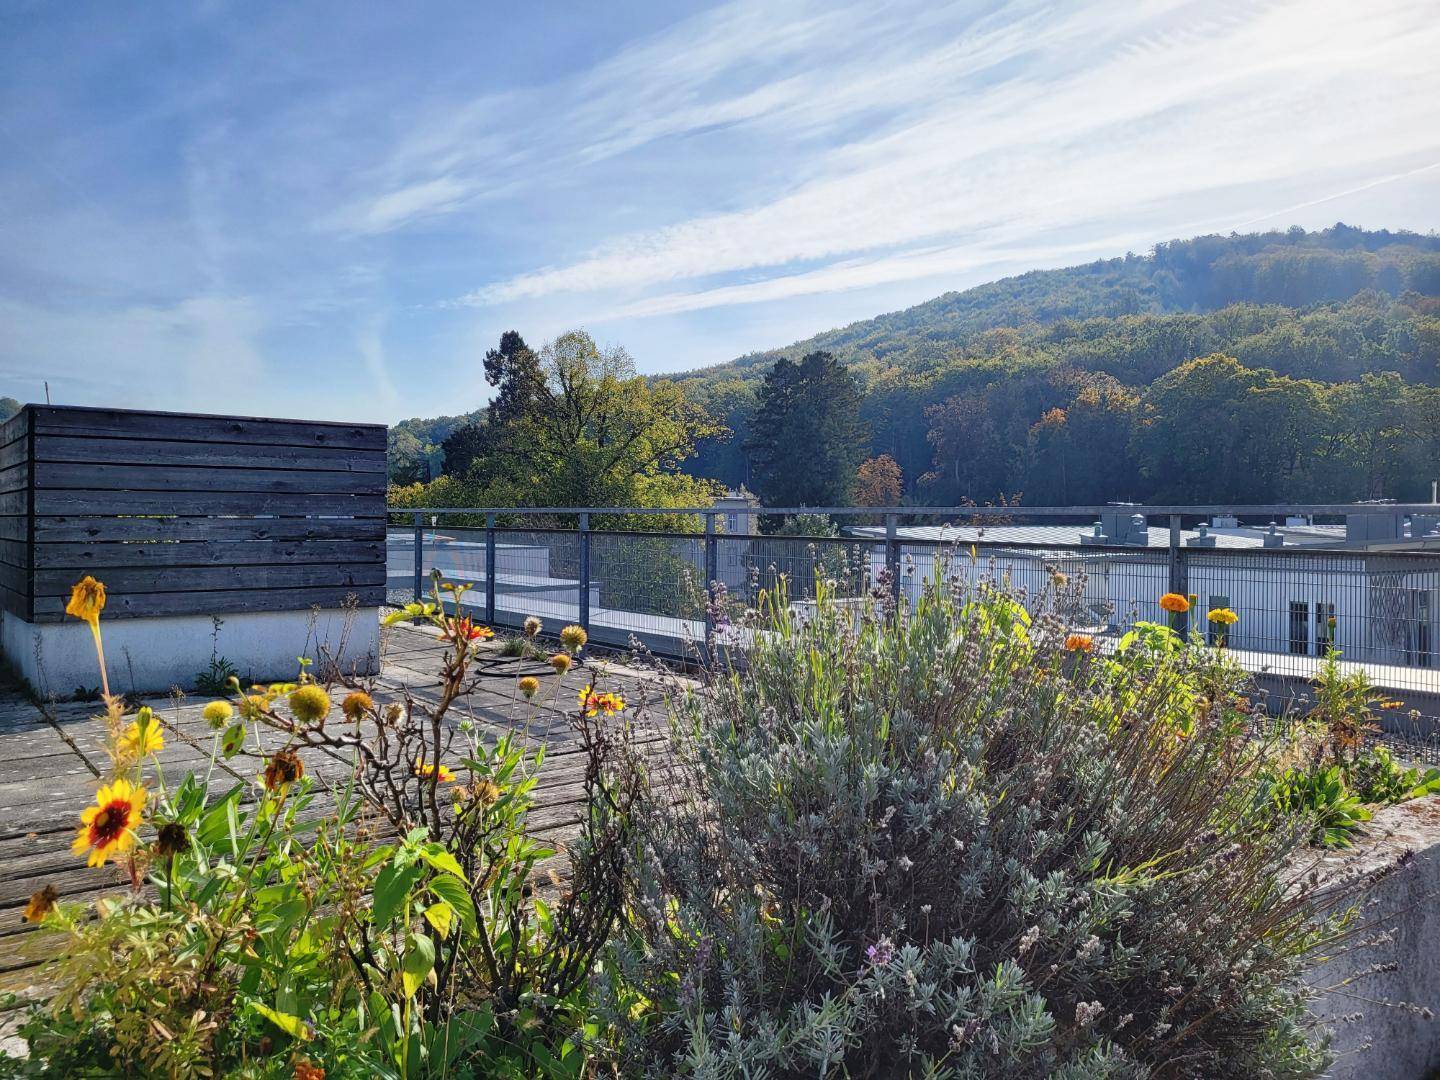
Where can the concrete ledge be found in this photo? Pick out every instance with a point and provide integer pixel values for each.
(1380, 1028)
(154, 654)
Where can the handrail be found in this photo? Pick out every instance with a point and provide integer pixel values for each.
(1165, 510)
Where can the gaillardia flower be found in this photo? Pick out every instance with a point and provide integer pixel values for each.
(574, 637)
(108, 828)
(283, 769)
(425, 770)
(171, 840)
(41, 904)
(532, 626)
(1174, 602)
(560, 662)
(593, 702)
(528, 685)
(87, 600)
(143, 737)
(1079, 643)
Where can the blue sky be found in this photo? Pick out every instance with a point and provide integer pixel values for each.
(331, 210)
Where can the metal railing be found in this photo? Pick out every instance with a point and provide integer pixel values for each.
(669, 590)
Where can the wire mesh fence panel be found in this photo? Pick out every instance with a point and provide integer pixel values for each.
(400, 565)
(648, 589)
(537, 572)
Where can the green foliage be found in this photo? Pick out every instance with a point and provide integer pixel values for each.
(1376, 777)
(940, 844)
(806, 437)
(1321, 797)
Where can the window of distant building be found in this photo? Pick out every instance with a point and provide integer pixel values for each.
(1424, 613)
(1299, 627)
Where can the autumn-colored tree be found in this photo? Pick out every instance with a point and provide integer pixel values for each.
(878, 482)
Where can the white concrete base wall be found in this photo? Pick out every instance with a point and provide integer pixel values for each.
(149, 654)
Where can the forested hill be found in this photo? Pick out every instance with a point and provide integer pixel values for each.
(1077, 385)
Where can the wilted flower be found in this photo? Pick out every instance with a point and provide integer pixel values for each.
(171, 840)
(1079, 643)
(560, 662)
(252, 705)
(310, 703)
(108, 827)
(218, 713)
(87, 600)
(484, 791)
(41, 904)
(356, 705)
(532, 626)
(574, 637)
(1174, 602)
(529, 685)
(283, 769)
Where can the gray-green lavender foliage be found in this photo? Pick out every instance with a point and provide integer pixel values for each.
(938, 843)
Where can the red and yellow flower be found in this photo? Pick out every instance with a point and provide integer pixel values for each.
(107, 829)
(593, 702)
(465, 629)
(426, 770)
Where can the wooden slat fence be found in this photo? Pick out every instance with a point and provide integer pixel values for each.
(189, 514)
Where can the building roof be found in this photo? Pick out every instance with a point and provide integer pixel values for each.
(1052, 535)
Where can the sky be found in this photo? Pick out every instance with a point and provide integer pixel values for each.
(331, 210)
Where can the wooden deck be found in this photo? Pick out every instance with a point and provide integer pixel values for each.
(50, 758)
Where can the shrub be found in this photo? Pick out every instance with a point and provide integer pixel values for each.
(938, 843)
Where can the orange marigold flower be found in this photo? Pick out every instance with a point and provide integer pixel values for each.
(1175, 602)
(1079, 643)
(108, 827)
(41, 904)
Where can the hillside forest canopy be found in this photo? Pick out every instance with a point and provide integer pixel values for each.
(1296, 366)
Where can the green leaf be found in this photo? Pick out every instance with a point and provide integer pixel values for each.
(418, 963)
(441, 916)
(291, 1025)
(392, 887)
(442, 860)
(455, 893)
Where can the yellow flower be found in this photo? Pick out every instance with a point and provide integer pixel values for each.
(560, 662)
(252, 705)
(41, 904)
(310, 703)
(426, 770)
(528, 686)
(108, 827)
(1079, 643)
(1175, 602)
(218, 713)
(356, 705)
(282, 770)
(143, 737)
(574, 638)
(87, 600)
(1223, 615)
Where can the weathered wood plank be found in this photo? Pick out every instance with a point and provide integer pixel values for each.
(60, 448)
(76, 529)
(51, 608)
(14, 552)
(16, 477)
(201, 553)
(15, 453)
(17, 427)
(120, 580)
(71, 503)
(187, 427)
(50, 475)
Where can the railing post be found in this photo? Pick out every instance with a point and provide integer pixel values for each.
(419, 555)
(892, 557)
(489, 568)
(1178, 574)
(585, 572)
(712, 572)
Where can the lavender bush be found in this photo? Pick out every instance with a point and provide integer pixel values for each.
(959, 842)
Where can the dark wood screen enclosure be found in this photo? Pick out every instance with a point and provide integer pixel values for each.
(183, 514)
